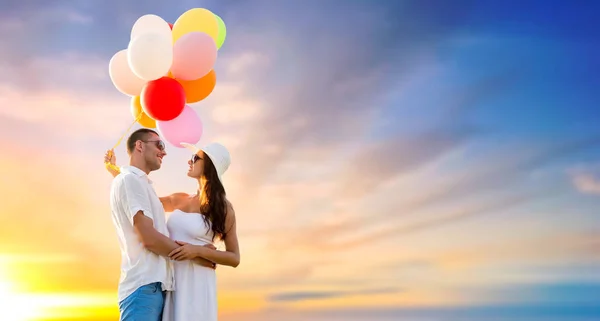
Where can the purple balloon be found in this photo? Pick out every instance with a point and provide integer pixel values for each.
(185, 128)
(194, 56)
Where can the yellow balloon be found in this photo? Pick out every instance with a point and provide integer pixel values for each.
(136, 110)
(196, 20)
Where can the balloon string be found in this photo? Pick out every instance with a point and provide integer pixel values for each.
(115, 167)
(128, 129)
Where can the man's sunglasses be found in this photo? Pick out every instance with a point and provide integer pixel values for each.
(159, 143)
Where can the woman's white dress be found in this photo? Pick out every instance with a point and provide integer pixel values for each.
(195, 295)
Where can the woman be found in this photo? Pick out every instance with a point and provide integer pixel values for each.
(195, 222)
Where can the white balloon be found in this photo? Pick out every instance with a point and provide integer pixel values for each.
(122, 76)
(150, 55)
(150, 24)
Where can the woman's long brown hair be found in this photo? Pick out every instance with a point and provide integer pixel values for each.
(213, 202)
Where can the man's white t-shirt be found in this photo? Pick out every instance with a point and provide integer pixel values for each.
(132, 191)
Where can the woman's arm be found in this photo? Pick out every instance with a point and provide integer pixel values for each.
(231, 255)
(167, 203)
(171, 202)
(110, 161)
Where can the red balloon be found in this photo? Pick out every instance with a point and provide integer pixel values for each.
(163, 99)
(170, 25)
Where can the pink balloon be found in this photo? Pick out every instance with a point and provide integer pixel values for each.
(194, 56)
(185, 128)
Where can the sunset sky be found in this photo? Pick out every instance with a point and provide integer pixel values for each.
(391, 160)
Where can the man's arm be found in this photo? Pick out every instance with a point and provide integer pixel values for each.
(138, 207)
(157, 242)
(204, 262)
(152, 239)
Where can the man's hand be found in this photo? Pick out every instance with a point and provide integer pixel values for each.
(110, 157)
(205, 263)
(110, 161)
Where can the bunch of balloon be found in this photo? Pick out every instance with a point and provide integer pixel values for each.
(167, 66)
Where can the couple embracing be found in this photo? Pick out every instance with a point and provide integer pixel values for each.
(168, 266)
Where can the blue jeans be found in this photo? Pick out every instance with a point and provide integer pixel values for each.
(144, 304)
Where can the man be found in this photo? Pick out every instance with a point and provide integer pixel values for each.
(139, 218)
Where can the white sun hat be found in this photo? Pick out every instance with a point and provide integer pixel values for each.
(217, 153)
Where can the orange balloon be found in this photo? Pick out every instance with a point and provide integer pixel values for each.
(136, 110)
(198, 89)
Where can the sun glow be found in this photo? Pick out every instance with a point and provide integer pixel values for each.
(19, 305)
(16, 306)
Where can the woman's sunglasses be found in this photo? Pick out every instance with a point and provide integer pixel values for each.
(195, 158)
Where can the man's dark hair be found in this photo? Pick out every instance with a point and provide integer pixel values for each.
(140, 134)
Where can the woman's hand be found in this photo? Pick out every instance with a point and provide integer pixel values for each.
(188, 251)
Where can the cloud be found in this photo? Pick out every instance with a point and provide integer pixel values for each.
(566, 294)
(323, 191)
(376, 163)
(63, 113)
(77, 17)
(489, 183)
(296, 120)
(65, 90)
(24, 16)
(26, 28)
(50, 104)
(359, 166)
(586, 179)
(497, 206)
(301, 105)
(587, 184)
(422, 270)
(63, 94)
(303, 296)
(434, 271)
(381, 161)
(65, 70)
(307, 153)
(543, 252)
(556, 311)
